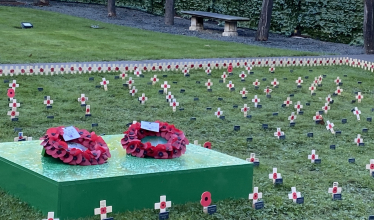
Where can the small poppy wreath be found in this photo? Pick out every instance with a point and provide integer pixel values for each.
(175, 146)
(89, 149)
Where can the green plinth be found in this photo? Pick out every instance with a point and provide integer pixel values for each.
(127, 183)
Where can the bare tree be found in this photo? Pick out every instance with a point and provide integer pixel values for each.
(169, 12)
(369, 27)
(111, 8)
(262, 33)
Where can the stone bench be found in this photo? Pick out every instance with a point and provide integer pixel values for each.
(197, 21)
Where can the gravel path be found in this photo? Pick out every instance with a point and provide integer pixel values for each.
(142, 20)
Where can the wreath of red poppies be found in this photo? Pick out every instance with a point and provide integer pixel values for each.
(91, 148)
(175, 146)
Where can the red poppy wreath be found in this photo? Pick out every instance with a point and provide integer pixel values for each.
(87, 149)
(175, 146)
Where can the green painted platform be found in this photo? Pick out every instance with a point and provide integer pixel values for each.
(127, 183)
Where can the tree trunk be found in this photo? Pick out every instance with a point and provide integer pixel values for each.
(369, 27)
(264, 23)
(169, 12)
(111, 8)
(39, 2)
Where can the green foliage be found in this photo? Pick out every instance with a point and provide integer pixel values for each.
(115, 108)
(328, 20)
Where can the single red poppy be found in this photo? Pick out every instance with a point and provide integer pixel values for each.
(208, 145)
(11, 93)
(294, 195)
(206, 199)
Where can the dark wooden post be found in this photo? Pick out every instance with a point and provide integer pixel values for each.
(369, 27)
(112, 8)
(264, 23)
(169, 12)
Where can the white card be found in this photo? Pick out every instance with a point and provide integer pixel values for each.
(76, 146)
(150, 126)
(70, 133)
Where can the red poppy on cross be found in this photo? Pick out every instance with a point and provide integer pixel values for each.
(133, 91)
(256, 83)
(299, 81)
(275, 175)
(272, 69)
(252, 158)
(298, 107)
(154, 79)
(169, 96)
(278, 133)
(208, 71)
(137, 72)
(337, 81)
(123, 75)
(13, 85)
(48, 102)
(174, 104)
(370, 166)
(313, 156)
(255, 100)
(242, 75)
(255, 195)
(13, 113)
(317, 117)
(245, 109)
(230, 85)
(330, 126)
(335, 189)
(338, 91)
(163, 204)
(165, 86)
(294, 194)
(249, 68)
(14, 104)
(326, 107)
(243, 92)
(359, 140)
(130, 82)
(83, 99)
(88, 110)
(224, 76)
(267, 90)
(288, 101)
(359, 97)
(142, 99)
(103, 210)
(328, 98)
(292, 117)
(208, 84)
(275, 82)
(105, 84)
(51, 216)
(357, 113)
(312, 88)
(218, 113)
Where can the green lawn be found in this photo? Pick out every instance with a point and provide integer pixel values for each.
(115, 108)
(61, 38)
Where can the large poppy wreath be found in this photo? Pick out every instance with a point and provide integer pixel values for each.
(175, 146)
(89, 149)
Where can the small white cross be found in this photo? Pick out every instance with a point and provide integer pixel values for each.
(142, 99)
(317, 117)
(256, 83)
(357, 113)
(48, 102)
(88, 110)
(224, 76)
(163, 204)
(83, 99)
(242, 75)
(252, 158)
(359, 140)
(138, 72)
(315, 81)
(288, 101)
(130, 82)
(370, 166)
(330, 126)
(249, 68)
(292, 117)
(275, 175)
(359, 97)
(13, 113)
(133, 91)
(165, 86)
(255, 195)
(51, 216)
(245, 109)
(320, 79)
(313, 156)
(328, 98)
(185, 71)
(338, 90)
(299, 81)
(14, 85)
(208, 84)
(272, 69)
(298, 107)
(335, 189)
(105, 84)
(294, 194)
(174, 104)
(274, 82)
(218, 113)
(208, 71)
(14, 104)
(196, 142)
(255, 100)
(326, 107)
(230, 85)
(154, 79)
(169, 96)
(243, 92)
(337, 81)
(278, 133)
(267, 90)
(103, 210)
(312, 88)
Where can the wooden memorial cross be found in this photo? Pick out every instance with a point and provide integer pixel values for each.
(130, 82)
(326, 107)
(288, 101)
(224, 76)
(185, 71)
(245, 109)
(218, 113)
(255, 195)
(208, 71)
(275, 175)
(272, 69)
(315, 81)
(330, 126)
(208, 84)
(313, 156)
(278, 133)
(299, 81)
(142, 99)
(338, 91)
(88, 110)
(298, 107)
(252, 158)
(294, 194)
(169, 96)
(359, 140)
(14, 104)
(51, 216)
(256, 83)
(242, 76)
(267, 90)
(337, 81)
(163, 204)
(13, 113)
(312, 88)
(138, 72)
(275, 82)
(357, 113)
(48, 102)
(154, 79)
(133, 91)
(359, 97)
(249, 68)
(370, 166)
(105, 84)
(83, 99)
(230, 85)
(255, 100)
(292, 117)
(335, 189)
(328, 98)
(165, 86)
(103, 210)
(174, 104)
(13, 85)
(243, 92)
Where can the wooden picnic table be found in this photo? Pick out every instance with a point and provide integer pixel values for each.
(197, 21)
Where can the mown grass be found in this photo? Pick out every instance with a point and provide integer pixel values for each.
(61, 38)
(113, 109)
